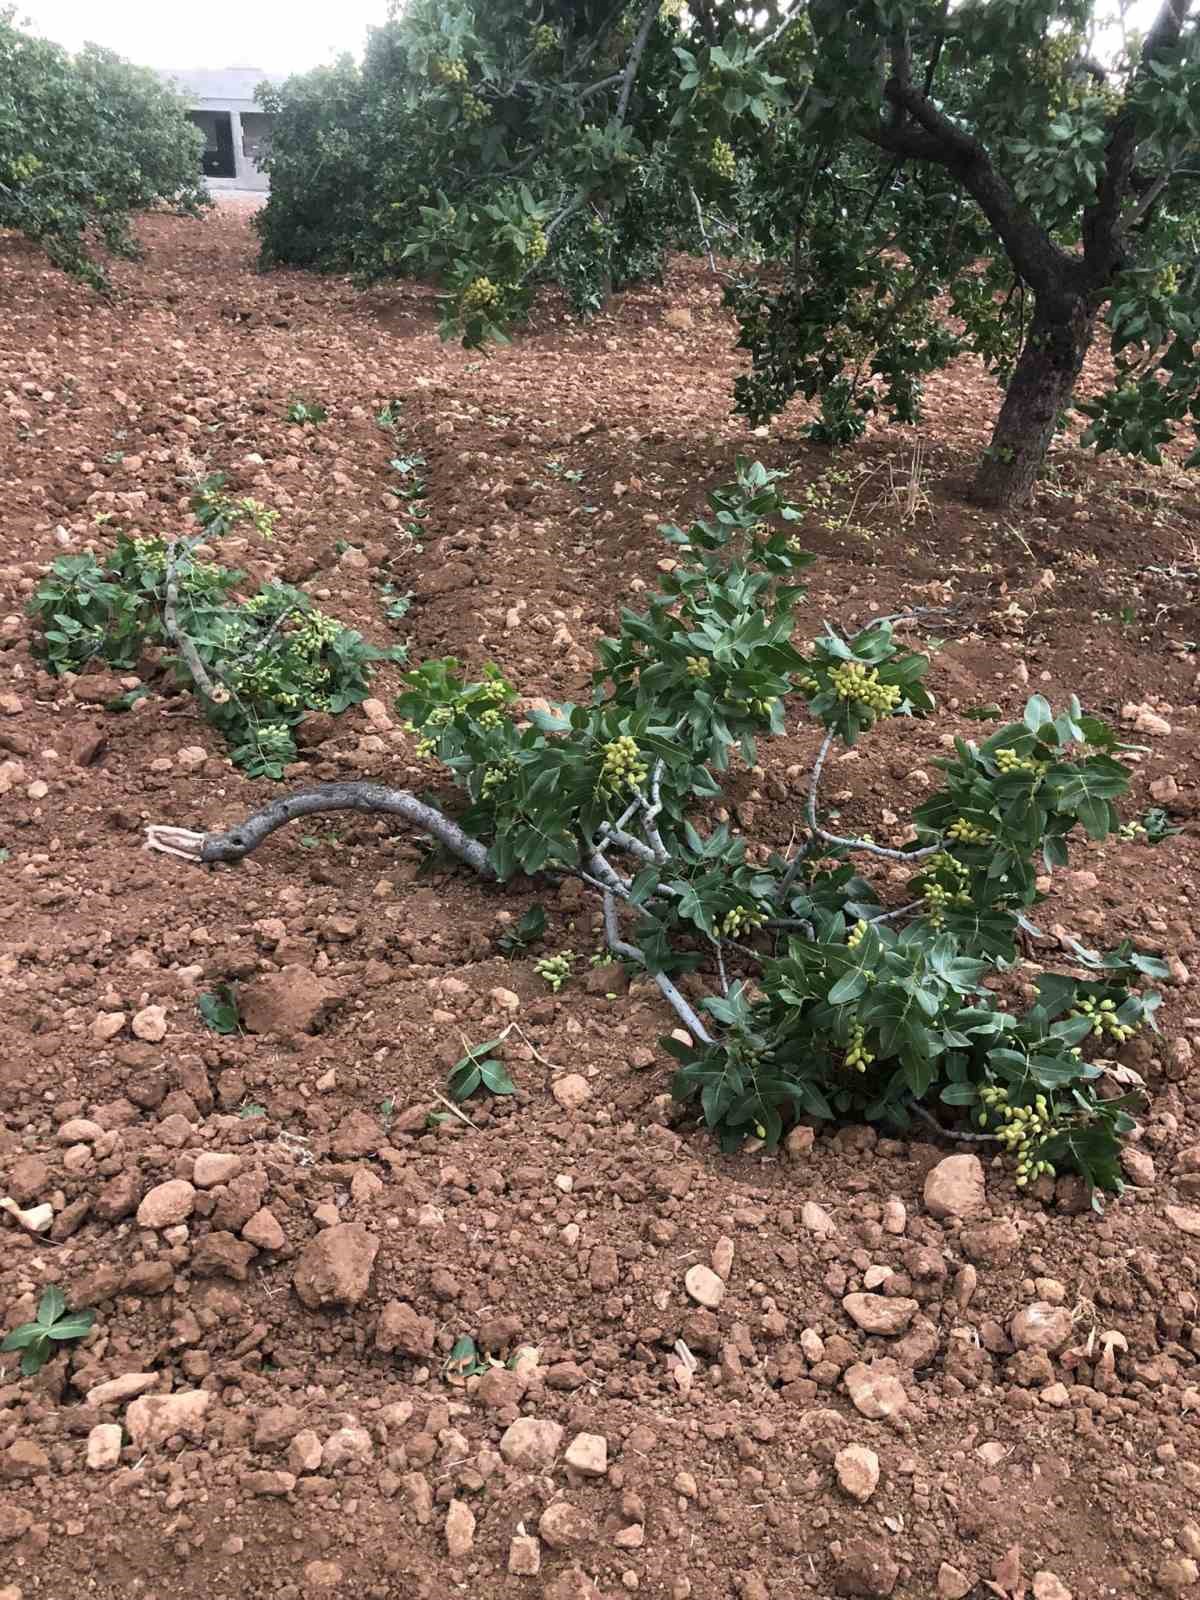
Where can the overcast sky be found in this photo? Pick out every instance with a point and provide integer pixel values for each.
(276, 35)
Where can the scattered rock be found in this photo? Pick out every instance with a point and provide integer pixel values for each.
(154, 1418)
(531, 1443)
(24, 1458)
(990, 1244)
(524, 1556)
(564, 1525)
(150, 1024)
(1048, 1587)
(881, 1314)
(209, 1169)
(865, 1567)
(876, 1389)
(952, 1583)
(1041, 1326)
(1178, 1574)
(587, 1453)
(118, 1390)
(572, 1091)
(264, 1231)
(400, 1328)
(289, 1002)
(335, 1267)
(817, 1220)
(167, 1204)
(304, 1452)
(223, 1255)
(857, 1471)
(1185, 1218)
(460, 1529)
(704, 1286)
(104, 1447)
(347, 1449)
(955, 1188)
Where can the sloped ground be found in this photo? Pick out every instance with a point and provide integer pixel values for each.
(299, 1448)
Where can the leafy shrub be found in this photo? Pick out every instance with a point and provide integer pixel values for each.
(86, 141)
(841, 1006)
(271, 657)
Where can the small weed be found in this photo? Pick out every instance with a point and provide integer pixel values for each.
(527, 930)
(249, 1109)
(555, 969)
(389, 416)
(1153, 828)
(219, 1010)
(396, 605)
(387, 1111)
(54, 1325)
(306, 412)
(480, 1068)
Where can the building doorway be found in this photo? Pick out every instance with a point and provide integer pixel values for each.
(217, 160)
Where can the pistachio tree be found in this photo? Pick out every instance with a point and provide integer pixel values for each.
(1012, 178)
(86, 142)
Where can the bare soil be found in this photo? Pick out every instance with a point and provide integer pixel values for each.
(292, 1443)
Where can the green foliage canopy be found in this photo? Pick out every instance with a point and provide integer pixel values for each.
(902, 181)
(86, 142)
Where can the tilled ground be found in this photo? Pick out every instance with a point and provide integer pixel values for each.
(282, 1249)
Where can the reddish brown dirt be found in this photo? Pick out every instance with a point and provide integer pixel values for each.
(569, 1230)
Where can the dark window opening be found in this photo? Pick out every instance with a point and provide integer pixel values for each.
(217, 127)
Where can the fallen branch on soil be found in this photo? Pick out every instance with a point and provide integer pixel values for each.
(216, 692)
(238, 842)
(825, 1003)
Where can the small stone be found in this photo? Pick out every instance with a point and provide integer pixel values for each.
(1185, 1218)
(817, 1220)
(798, 1142)
(587, 1453)
(990, 1244)
(222, 1255)
(276, 1427)
(104, 1447)
(263, 1231)
(524, 1556)
(209, 1169)
(857, 1471)
(531, 1443)
(1177, 1574)
(881, 1314)
(460, 1530)
(952, 1583)
(505, 999)
(108, 1025)
(346, 1449)
(1041, 1326)
(1138, 1167)
(118, 1390)
(150, 1024)
(167, 1204)
(564, 1525)
(1046, 1586)
(322, 1577)
(876, 1389)
(155, 1418)
(631, 1538)
(865, 1567)
(400, 1328)
(956, 1188)
(704, 1286)
(571, 1091)
(268, 1482)
(304, 1452)
(722, 1258)
(335, 1267)
(895, 1215)
(15, 1523)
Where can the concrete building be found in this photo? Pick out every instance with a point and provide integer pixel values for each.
(236, 129)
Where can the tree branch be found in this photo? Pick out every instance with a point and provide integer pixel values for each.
(635, 57)
(238, 842)
(216, 692)
(1103, 246)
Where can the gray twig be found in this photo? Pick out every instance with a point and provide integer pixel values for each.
(216, 692)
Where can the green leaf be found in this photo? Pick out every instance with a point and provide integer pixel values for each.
(51, 1306)
(27, 1334)
(219, 1011)
(495, 1076)
(73, 1326)
(34, 1359)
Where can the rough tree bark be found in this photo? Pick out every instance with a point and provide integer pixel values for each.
(1040, 389)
